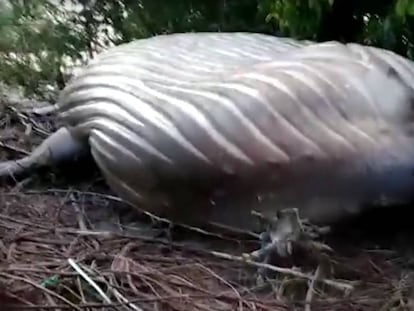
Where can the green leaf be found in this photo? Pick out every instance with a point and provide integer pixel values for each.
(401, 7)
(410, 8)
(50, 282)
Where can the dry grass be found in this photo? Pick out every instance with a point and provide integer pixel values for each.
(50, 259)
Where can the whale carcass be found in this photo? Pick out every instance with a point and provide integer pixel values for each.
(206, 127)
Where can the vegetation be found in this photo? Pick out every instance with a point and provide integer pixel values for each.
(41, 41)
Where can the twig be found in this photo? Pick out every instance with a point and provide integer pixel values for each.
(116, 293)
(42, 111)
(26, 121)
(46, 290)
(14, 149)
(159, 219)
(79, 212)
(89, 280)
(65, 191)
(122, 299)
(244, 259)
(21, 184)
(82, 294)
(336, 284)
(311, 289)
(104, 306)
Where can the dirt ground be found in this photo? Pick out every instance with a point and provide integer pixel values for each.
(67, 243)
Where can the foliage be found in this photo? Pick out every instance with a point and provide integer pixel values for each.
(36, 44)
(42, 40)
